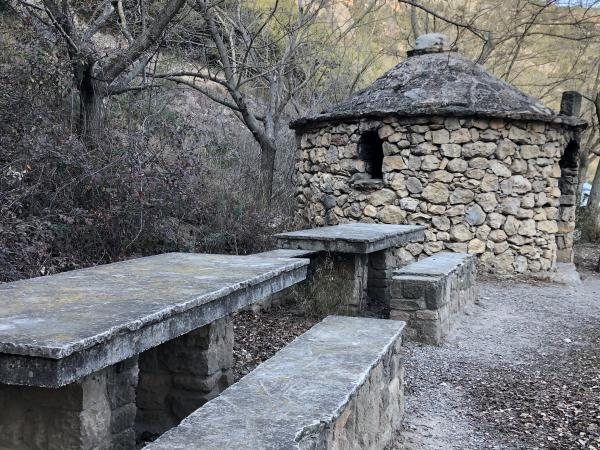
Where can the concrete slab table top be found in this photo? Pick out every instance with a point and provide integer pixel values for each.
(352, 237)
(56, 329)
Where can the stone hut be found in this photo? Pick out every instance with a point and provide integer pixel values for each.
(439, 141)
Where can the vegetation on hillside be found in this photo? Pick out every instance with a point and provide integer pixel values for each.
(131, 128)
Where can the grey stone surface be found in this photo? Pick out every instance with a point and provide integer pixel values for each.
(337, 386)
(430, 295)
(286, 253)
(439, 84)
(57, 329)
(98, 412)
(351, 237)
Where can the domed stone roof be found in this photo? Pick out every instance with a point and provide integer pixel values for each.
(436, 82)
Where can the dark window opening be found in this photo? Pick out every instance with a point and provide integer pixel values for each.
(569, 163)
(371, 151)
(570, 156)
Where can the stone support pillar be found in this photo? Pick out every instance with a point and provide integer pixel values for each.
(179, 376)
(97, 412)
(381, 265)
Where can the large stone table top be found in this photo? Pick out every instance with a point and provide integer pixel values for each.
(58, 328)
(351, 237)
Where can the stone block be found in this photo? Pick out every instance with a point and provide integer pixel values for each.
(430, 294)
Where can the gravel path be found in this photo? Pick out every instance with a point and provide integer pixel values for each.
(521, 371)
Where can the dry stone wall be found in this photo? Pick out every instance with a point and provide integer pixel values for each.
(486, 187)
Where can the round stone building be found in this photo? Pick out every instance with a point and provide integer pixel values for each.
(439, 141)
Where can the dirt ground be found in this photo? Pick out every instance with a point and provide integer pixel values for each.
(520, 371)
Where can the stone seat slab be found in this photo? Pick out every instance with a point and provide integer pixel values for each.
(56, 329)
(359, 238)
(439, 264)
(286, 253)
(341, 381)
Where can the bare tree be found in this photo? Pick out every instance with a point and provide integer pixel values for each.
(99, 72)
(264, 64)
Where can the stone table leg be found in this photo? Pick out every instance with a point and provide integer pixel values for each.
(381, 265)
(340, 281)
(97, 412)
(179, 376)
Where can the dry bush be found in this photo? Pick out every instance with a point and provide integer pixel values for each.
(162, 179)
(322, 294)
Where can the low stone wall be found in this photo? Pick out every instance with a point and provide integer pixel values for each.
(97, 412)
(338, 386)
(429, 295)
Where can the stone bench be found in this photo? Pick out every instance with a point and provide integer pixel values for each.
(430, 294)
(339, 385)
(90, 357)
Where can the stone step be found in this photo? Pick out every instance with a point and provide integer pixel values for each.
(339, 385)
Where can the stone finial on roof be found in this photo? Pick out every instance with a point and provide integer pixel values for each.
(430, 43)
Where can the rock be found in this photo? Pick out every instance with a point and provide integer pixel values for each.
(529, 151)
(413, 185)
(500, 169)
(441, 223)
(511, 226)
(462, 196)
(497, 236)
(391, 163)
(460, 136)
(392, 214)
(451, 150)
(370, 211)
(460, 233)
(430, 162)
(483, 232)
(510, 205)
(479, 163)
(505, 148)
(476, 246)
(436, 193)
(487, 201)
(527, 228)
(518, 166)
(474, 215)
(548, 226)
(414, 163)
(496, 220)
(457, 247)
(519, 135)
(409, 204)
(520, 264)
(490, 183)
(382, 197)
(457, 165)
(500, 247)
(520, 184)
(440, 136)
(441, 175)
(479, 148)
(476, 174)
(385, 131)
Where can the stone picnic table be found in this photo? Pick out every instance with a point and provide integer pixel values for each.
(363, 258)
(74, 345)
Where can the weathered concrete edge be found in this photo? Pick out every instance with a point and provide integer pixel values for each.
(409, 270)
(67, 350)
(342, 245)
(53, 373)
(322, 425)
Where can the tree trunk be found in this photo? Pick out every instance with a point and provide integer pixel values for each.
(267, 169)
(92, 113)
(594, 200)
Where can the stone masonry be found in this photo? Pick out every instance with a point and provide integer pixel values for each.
(429, 295)
(486, 187)
(179, 376)
(96, 413)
